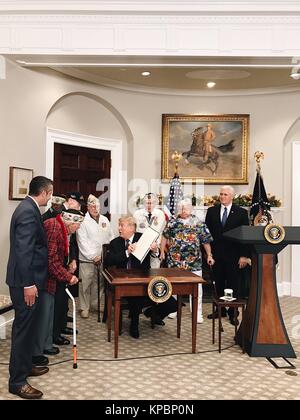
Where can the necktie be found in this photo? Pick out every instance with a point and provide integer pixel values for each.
(127, 243)
(149, 217)
(224, 217)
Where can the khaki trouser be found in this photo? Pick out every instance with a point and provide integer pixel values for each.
(88, 287)
(199, 308)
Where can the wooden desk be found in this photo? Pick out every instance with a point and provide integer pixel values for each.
(134, 282)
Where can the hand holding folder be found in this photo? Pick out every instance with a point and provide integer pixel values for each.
(149, 236)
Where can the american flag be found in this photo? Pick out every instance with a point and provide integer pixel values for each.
(175, 195)
(260, 203)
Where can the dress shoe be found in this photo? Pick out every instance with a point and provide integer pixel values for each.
(40, 360)
(134, 331)
(38, 371)
(158, 321)
(52, 352)
(27, 391)
(215, 314)
(148, 312)
(61, 341)
(234, 321)
(68, 331)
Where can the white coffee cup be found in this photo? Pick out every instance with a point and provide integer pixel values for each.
(228, 293)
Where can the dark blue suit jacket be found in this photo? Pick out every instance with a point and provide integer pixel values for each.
(221, 247)
(116, 254)
(28, 256)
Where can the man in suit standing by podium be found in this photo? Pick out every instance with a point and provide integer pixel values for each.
(229, 256)
(27, 271)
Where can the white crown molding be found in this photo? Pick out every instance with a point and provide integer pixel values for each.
(119, 18)
(144, 6)
(150, 35)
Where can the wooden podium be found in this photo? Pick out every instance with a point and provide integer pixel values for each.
(264, 330)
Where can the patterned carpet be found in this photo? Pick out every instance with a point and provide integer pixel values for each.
(159, 366)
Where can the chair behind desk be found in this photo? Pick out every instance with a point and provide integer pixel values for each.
(105, 248)
(124, 305)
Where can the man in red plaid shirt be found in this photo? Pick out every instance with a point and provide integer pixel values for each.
(58, 231)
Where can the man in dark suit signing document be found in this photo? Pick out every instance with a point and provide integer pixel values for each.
(120, 255)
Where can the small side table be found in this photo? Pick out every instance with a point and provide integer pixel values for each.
(217, 306)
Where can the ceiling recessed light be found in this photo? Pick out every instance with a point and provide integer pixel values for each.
(210, 84)
(146, 73)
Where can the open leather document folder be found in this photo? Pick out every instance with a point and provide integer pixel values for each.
(149, 236)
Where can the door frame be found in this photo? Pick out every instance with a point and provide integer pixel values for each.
(118, 194)
(295, 271)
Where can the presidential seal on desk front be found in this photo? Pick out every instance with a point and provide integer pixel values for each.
(159, 289)
(274, 233)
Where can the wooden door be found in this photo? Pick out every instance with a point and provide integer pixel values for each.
(80, 169)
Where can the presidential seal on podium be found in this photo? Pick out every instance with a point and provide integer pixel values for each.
(274, 233)
(159, 289)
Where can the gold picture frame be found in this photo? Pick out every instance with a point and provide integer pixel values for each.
(19, 180)
(213, 148)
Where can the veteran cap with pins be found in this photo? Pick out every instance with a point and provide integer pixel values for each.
(72, 215)
(92, 200)
(58, 199)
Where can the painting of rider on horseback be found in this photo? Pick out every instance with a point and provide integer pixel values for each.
(213, 148)
(203, 148)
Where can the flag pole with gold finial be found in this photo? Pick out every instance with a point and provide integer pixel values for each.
(176, 158)
(260, 207)
(258, 157)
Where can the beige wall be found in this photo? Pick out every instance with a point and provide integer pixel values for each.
(27, 97)
(96, 120)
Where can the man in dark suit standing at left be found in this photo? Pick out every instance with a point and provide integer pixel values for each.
(26, 274)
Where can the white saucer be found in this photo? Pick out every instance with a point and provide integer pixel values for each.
(228, 299)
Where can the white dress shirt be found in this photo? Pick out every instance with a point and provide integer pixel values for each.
(222, 210)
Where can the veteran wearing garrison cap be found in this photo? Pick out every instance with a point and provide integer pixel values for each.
(73, 201)
(56, 208)
(149, 215)
(58, 230)
(93, 233)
